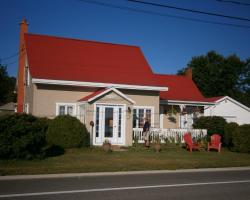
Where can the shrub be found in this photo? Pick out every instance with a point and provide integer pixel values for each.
(241, 139)
(67, 132)
(22, 136)
(213, 124)
(230, 129)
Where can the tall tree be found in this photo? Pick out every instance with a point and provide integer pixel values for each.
(216, 75)
(7, 86)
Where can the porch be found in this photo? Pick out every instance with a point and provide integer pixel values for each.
(173, 135)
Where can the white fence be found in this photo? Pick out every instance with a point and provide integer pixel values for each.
(173, 135)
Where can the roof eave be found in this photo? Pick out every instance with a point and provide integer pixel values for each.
(97, 84)
(178, 102)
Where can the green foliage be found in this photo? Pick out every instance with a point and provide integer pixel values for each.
(7, 86)
(22, 136)
(230, 129)
(241, 139)
(67, 132)
(212, 124)
(216, 75)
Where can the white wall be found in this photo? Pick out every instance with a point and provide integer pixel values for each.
(231, 110)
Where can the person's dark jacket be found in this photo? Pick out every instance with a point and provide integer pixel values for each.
(146, 126)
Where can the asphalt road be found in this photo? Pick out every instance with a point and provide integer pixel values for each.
(188, 185)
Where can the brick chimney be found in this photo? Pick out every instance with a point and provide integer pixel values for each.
(21, 66)
(188, 73)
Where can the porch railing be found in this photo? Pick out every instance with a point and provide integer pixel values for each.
(173, 135)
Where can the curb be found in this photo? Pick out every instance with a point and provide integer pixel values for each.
(94, 174)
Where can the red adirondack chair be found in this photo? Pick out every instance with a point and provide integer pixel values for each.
(189, 143)
(215, 142)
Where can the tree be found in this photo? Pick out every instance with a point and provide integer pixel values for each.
(7, 86)
(216, 75)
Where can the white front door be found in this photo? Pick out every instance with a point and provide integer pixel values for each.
(109, 124)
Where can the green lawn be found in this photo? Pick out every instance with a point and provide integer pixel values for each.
(96, 160)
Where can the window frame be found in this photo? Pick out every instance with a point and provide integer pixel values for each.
(66, 105)
(144, 114)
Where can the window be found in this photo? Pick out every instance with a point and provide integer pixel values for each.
(139, 115)
(27, 76)
(26, 108)
(65, 109)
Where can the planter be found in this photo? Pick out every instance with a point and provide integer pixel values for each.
(157, 147)
(106, 147)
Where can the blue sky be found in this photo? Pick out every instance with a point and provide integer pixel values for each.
(168, 43)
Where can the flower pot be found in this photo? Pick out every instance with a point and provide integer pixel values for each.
(157, 147)
(106, 147)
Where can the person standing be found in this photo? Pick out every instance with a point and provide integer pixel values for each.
(146, 133)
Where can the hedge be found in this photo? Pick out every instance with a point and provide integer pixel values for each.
(241, 139)
(230, 129)
(67, 132)
(22, 136)
(213, 124)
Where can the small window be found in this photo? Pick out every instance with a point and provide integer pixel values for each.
(65, 109)
(26, 108)
(139, 115)
(27, 76)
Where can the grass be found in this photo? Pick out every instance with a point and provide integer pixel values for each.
(136, 158)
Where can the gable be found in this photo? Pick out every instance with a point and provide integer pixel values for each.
(107, 95)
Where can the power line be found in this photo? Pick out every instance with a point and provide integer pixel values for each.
(164, 15)
(234, 2)
(190, 10)
(9, 57)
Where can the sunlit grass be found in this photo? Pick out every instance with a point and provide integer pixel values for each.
(136, 158)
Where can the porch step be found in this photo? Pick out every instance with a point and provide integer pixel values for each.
(119, 148)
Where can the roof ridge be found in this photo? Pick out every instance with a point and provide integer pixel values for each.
(176, 75)
(81, 40)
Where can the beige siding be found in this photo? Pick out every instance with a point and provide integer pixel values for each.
(167, 123)
(146, 98)
(45, 98)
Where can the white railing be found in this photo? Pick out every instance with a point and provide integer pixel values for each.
(173, 135)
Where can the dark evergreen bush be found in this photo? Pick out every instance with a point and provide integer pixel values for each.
(241, 139)
(230, 130)
(213, 124)
(67, 132)
(22, 136)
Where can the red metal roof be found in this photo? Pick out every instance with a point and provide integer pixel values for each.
(99, 91)
(59, 58)
(214, 99)
(180, 88)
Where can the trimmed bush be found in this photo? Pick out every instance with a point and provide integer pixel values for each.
(22, 136)
(213, 124)
(230, 129)
(67, 132)
(241, 139)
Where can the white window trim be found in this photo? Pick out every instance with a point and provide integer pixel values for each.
(65, 104)
(152, 108)
(26, 108)
(26, 72)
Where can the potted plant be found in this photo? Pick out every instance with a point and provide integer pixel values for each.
(157, 143)
(106, 145)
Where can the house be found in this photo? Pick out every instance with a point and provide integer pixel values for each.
(8, 108)
(108, 87)
(228, 108)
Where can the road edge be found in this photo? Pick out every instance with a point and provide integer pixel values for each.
(75, 175)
